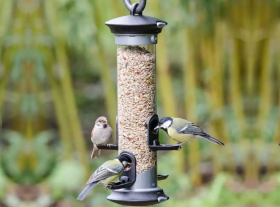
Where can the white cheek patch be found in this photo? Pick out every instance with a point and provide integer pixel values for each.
(166, 124)
(98, 125)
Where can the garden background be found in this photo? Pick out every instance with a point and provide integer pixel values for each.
(217, 65)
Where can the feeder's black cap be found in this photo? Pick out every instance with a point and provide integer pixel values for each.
(136, 24)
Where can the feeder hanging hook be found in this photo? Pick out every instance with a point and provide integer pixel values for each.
(135, 8)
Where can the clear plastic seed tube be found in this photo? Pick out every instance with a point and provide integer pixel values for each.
(136, 101)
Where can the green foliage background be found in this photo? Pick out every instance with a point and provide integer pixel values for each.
(217, 65)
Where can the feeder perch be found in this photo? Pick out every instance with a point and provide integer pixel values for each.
(153, 140)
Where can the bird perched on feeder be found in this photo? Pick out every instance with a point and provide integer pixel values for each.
(101, 134)
(183, 131)
(105, 174)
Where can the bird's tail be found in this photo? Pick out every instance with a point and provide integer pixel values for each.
(86, 191)
(212, 139)
(95, 152)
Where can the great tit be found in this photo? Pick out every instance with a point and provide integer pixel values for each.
(105, 174)
(101, 134)
(183, 131)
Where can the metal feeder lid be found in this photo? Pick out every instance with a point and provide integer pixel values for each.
(136, 23)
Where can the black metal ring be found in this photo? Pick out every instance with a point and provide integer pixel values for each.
(139, 7)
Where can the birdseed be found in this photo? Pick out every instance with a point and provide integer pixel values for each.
(136, 103)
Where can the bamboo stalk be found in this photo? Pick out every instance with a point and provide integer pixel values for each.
(18, 124)
(265, 95)
(235, 88)
(190, 85)
(4, 60)
(237, 15)
(250, 51)
(164, 79)
(66, 84)
(70, 105)
(164, 84)
(6, 8)
(277, 128)
(7, 60)
(214, 96)
(236, 101)
(278, 84)
(265, 82)
(60, 112)
(3, 84)
(213, 47)
(239, 89)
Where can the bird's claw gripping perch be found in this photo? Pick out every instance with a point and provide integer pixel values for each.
(181, 143)
(110, 145)
(110, 185)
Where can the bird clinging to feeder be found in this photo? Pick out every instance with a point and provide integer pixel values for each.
(105, 174)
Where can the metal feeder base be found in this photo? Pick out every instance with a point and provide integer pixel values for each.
(141, 197)
(144, 191)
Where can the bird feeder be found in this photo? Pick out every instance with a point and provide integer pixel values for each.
(136, 39)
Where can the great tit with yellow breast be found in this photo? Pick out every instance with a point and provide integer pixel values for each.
(183, 131)
(105, 174)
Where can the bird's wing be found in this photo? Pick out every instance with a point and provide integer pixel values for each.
(191, 128)
(111, 130)
(179, 123)
(108, 169)
(197, 131)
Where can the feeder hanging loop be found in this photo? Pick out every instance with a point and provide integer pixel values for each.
(135, 8)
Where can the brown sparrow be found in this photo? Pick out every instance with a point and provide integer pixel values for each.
(101, 134)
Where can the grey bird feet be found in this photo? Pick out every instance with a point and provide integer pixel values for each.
(180, 146)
